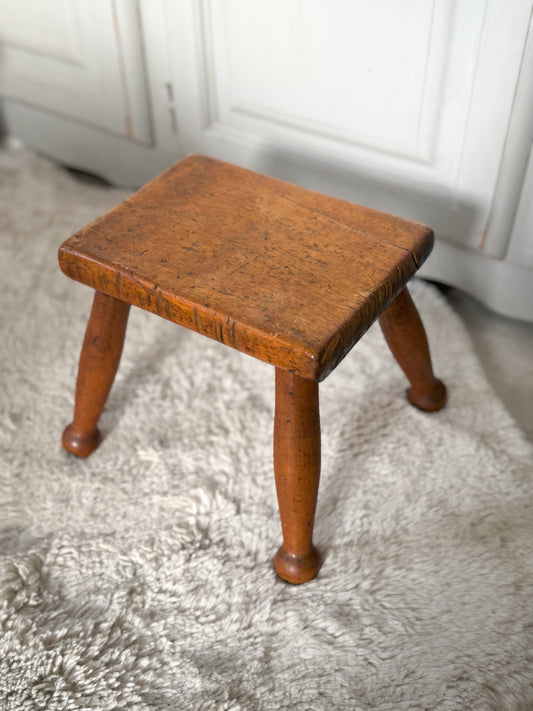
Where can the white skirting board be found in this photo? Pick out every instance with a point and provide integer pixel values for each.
(504, 287)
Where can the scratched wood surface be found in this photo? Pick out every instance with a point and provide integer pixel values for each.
(284, 274)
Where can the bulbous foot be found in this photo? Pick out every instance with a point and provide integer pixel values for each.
(80, 445)
(297, 569)
(428, 400)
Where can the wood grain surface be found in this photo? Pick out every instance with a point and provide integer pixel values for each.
(297, 473)
(284, 274)
(99, 361)
(406, 336)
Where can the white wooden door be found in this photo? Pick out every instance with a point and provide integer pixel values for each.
(79, 59)
(401, 105)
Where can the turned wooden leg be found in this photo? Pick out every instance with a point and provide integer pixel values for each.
(406, 337)
(297, 472)
(99, 359)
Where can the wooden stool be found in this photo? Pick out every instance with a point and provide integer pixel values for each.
(284, 274)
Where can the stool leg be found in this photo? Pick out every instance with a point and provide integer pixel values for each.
(406, 337)
(99, 359)
(297, 472)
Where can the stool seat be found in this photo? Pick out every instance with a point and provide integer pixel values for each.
(284, 274)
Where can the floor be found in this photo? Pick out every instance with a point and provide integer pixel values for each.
(505, 348)
(425, 595)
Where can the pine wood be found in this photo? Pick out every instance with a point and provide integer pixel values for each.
(406, 337)
(297, 473)
(287, 275)
(281, 273)
(99, 360)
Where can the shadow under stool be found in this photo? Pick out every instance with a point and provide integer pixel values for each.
(287, 275)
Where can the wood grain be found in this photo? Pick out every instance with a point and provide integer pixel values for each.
(284, 274)
(99, 360)
(297, 473)
(406, 337)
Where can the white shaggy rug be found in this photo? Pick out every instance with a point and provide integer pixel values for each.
(142, 577)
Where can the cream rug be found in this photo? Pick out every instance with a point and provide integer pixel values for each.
(142, 577)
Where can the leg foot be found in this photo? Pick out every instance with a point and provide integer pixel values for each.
(297, 569)
(99, 359)
(297, 473)
(429, 400)
(79, 444)
(406, 337)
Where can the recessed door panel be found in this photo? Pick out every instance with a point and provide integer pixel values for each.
(72, 57)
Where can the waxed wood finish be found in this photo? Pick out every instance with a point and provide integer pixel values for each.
(406, 337)
(297, 472)
(284, 274)
(281, 273)
(99, 360)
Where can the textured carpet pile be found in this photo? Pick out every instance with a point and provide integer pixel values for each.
(142, 577)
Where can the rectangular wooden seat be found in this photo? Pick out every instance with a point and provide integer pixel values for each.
(284, 274)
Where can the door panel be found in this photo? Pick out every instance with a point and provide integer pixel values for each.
(81, 59)
(404, 106)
